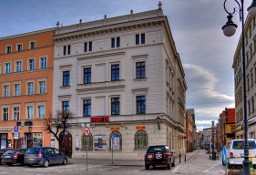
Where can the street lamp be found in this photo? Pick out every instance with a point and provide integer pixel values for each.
(213, 153)
(30, 126)
(229, 29)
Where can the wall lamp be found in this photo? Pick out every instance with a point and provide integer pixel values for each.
(158, 122)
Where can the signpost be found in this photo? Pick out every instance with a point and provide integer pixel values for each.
(86, 133)
(16, 132)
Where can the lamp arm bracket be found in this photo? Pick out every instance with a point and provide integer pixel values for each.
(234, 9)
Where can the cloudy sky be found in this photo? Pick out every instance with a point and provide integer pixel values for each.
(205, 52)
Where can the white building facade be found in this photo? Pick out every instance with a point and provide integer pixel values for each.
(123, 78)
(250, 64)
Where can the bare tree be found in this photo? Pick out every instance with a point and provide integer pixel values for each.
(58, 124)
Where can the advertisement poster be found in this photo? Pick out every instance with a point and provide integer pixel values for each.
(100, 143)
(116, 143)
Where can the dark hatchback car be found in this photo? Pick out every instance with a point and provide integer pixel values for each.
(44, 156)
(13, 156)
(159, 155)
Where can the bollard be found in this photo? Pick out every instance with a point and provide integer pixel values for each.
(185, 158)
(180, 158)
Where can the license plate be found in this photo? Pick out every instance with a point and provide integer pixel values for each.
(7, 157)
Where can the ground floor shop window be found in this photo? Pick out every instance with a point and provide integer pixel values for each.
(100, 143)
(3, 141)
(141, 140)
(87, 142)
(115, 141)
(37, 139)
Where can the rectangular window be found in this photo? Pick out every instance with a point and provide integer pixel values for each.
(43, 62)
(88, 46)
(16, 113)
(66, 77)
(115, 42)
(87, 75)
(140, 39)
(115, 106)
(115, 72)
(41, 112)
(141, 104)
(65, 106)
(87, 107)
(18, 66)
(64, 50)
(30, 111)
(17, 89)
(31, 64)
(42, 89)
(69, 49)
(30, 88)
(8, 49)
(7, 68)
(19, 47)
(6, 90)
(32, 45)
(5, 114)
(140, 70)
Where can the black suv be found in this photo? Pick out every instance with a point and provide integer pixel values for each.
(159, 155)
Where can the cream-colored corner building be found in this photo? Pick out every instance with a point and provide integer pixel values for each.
(250, 64)
(123, 76)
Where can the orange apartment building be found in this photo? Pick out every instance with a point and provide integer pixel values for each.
(26, 87)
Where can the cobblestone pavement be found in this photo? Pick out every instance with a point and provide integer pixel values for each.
(197, 163)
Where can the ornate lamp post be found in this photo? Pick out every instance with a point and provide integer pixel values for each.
(229, 29)
(213, 153)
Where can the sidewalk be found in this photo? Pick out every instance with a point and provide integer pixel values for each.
(178, 160)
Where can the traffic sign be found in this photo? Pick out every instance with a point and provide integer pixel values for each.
(87, 131)
(16, 129)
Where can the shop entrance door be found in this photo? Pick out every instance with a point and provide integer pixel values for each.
(66, 146)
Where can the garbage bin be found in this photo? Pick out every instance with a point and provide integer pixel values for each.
(214, 156)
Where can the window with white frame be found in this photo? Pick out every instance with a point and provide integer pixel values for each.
(88, 46)
(41, 111)
(16, 113)
(30, 112)
(32, 45)
(115, 42)
(31, 64)
(30, 86)
(66, 50)
(42, 87)
(140, 38)
(17, 89)
(8, 49)
(18, 66)
(5, 114)
(6, 90)
(7, 68)
(43, 62)
(19, 47)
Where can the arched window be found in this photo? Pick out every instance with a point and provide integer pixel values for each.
(115, 141)
(141, 140)
(87, 142)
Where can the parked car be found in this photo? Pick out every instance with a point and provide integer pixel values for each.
(44, 156)
(13, 156)
(1, 153)
(236, 148)
(159, 155)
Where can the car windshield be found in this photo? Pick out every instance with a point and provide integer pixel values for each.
(240, 144)
(152, 149)
(33, 151)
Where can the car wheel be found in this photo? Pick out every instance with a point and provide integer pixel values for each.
(154, 166)
(9, 164)
(65, 161)
(173, 163)
(29, 165)
(46, 163)
(147, 167)
(22, 163)
(168, 166)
